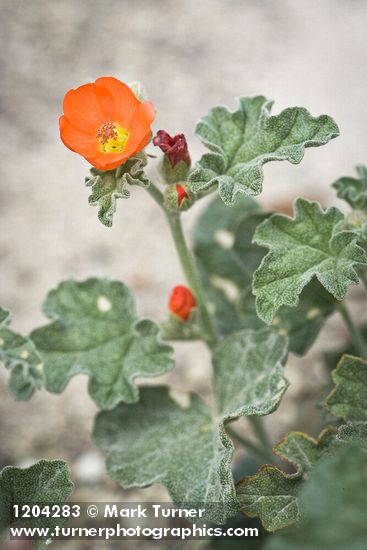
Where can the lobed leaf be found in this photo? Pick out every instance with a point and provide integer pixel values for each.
(94, 330)
(108, 186)
(303, 451)
(354, 433)
(272, 494)
(307, 246)
(180, 445)
(46, 482)
(20, 356)
(353, 190)
(333, 506)
(348, 400)
(248, 373)
(5, 317)
(242, 141)
(227, 258)
(301, 324)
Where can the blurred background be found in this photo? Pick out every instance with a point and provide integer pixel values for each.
(190, 56)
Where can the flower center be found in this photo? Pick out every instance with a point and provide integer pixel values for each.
(112, 137)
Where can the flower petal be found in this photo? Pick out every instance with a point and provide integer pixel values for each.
(124, 100)
(83, 109)
(76, 140)
(148, 109)
(139, 125)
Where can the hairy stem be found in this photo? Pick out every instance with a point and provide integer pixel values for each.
(353, 329)
(210, 336)
(188, 266)
(250, 445)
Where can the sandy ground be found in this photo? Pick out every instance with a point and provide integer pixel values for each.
(190, 56)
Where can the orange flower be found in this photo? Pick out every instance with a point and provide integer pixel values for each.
(105, 122)
(181, 302)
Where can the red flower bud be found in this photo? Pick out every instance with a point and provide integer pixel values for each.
(181, 302)
(181, 194)
(174, 147)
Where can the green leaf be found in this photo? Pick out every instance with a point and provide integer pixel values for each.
(248, 254)
(227, 259)
(348, 400)
(354, 433)
(94, 330)
(46, 482)
(4, 317)
(111, 185)
(20, 356)
(333, 503)
(303, 451)
(271, 494)
(248, 373)
(242, 141)
(353, 190)
(180, 445)
(301, 324)
(302, 248)
(221, 271)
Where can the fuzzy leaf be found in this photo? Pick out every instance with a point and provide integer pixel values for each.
(227, 259)
(354, 433)
(301, 324)
(348, 399)
(302, 248)
(271, 494)
(248, 373)
(111, 185)
(20, 356)
(303, 451)
(179, 444)
(4, 317)
(333, 503)
(47, 481)
(94, 330)
(220, 269)
(353, 190)
(242, 141)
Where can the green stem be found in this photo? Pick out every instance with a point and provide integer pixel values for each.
(210, 336)
(260, 432)
(188, 266)
(155, 194)
(357, 337)
(250, 445)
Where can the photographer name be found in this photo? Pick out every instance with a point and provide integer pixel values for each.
(155, 510)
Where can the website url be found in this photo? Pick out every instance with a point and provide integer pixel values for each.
(118, 532)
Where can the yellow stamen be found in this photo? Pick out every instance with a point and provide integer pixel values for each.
(112, 137)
